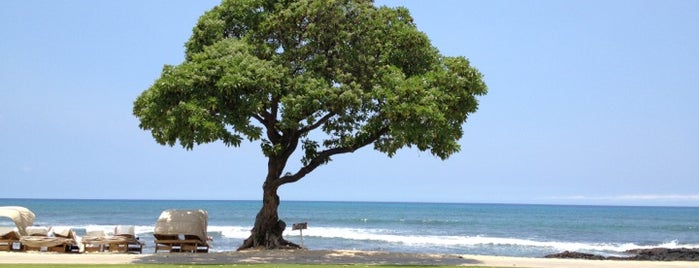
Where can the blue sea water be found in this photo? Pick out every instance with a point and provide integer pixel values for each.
(491, 229)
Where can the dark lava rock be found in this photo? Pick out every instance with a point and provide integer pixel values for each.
(654, 254)
(665, 254)
(575, 255)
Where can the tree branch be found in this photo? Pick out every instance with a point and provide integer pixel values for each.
(274, 107)
(260, 119)
(325, 155)
(270, 121)
(317, 124)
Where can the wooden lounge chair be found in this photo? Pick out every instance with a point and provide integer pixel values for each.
(96, 240)
(186, 243)
(182, 231)
(168, 243)
(40, 239)
(71, 241)
(131, 243)
(9, 239)
(10, 236)
(37, 238)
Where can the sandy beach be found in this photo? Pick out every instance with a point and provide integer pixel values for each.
(321, 257)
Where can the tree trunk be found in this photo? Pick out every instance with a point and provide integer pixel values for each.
(267, 232)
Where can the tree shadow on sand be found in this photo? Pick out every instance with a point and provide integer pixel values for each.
(307, 257)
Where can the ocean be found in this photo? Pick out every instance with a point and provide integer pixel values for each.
(488, 229)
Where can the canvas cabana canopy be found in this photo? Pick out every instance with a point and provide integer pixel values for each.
(21, 216)
(183, 223)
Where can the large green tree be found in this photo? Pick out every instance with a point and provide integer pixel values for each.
(326, 77)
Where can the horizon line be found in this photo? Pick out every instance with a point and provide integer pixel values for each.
(378, 202)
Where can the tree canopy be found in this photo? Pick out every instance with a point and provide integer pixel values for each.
(276, 71)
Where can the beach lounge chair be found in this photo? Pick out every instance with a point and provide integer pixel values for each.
(9, 239)
(182, 231)
(131, 243)
(37, 238)
(124, 240)
(72, 242)
(47, 239)
(95, 240)
(10, 236)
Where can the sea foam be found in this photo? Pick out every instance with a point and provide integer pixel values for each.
(404, 240)
(473, 241)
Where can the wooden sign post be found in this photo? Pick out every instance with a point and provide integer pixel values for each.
(300, 226)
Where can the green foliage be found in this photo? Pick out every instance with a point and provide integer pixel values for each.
(348, 72)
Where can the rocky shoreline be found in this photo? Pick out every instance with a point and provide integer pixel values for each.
(653, 254)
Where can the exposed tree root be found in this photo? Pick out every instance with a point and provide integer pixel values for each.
(271, 239)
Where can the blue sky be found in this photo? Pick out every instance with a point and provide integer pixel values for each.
(590, 102)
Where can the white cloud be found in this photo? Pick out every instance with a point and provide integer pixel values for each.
(635, 197)
(670, 197)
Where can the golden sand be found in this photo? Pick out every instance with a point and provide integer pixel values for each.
(320, 257)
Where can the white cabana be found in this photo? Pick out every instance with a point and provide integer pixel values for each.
(21, 216)
(182, 230)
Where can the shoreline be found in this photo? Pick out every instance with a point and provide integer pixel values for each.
(323, 257)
